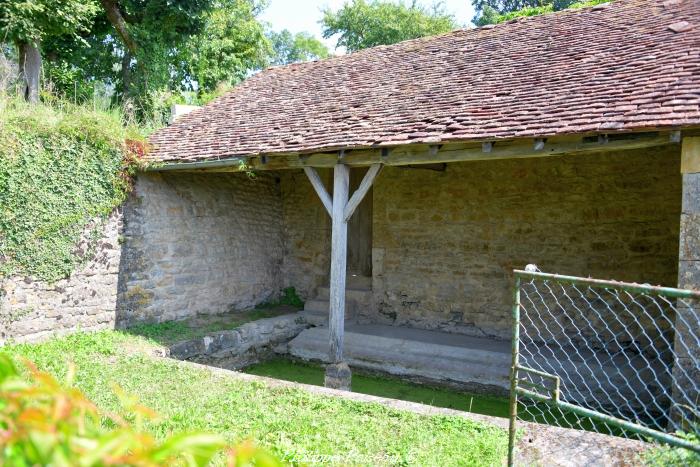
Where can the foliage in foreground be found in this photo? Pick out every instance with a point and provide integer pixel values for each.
(45, 423)
(62, 168)
(668, 456)
(294, 424)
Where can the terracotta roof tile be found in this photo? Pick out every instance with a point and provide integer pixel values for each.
(627, 66)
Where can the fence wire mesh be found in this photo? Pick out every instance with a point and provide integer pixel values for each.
(610, 357)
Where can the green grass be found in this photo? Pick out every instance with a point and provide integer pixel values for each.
(385, 387)
(295, 424)
(169, 332)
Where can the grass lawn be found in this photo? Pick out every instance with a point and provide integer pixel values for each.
(298, 426)
(393, 388)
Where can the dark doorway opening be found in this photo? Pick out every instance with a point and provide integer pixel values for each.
(360, 230)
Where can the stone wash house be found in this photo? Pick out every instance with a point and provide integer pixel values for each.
(570, 140)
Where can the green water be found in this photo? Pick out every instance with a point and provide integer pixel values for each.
(297, 372)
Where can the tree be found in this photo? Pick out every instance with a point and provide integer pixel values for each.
(146, 49)
(27, 23)
(151, 32)
(494, 11)
(293, 48)
(231, 43)
(363, 24)
(487, 15)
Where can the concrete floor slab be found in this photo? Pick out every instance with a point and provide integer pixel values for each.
(472, 363)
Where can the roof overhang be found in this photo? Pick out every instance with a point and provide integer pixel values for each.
(416, 154)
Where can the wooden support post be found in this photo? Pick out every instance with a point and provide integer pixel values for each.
(339, 246)
(338, 373)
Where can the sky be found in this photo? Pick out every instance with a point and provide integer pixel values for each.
(303, 15)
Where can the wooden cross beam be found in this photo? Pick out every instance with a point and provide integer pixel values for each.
(340, 210)
(320, 189)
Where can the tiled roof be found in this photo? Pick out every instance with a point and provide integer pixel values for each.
(626, 66)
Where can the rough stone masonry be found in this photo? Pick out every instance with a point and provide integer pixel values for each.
(687, 342)
(31, 310)
(444, 242)
(199, 244)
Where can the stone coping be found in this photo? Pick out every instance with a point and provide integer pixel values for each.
(251, 335)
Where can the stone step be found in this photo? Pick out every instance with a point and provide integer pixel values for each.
(316, 313)
(319, 306)
(363, 296)
(358, 282)
(482, 364)
(315, 318)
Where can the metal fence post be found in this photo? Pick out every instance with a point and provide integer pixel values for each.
(514, 373)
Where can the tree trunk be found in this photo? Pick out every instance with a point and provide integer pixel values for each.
(115, 17)
(126, 74)
(29, 70)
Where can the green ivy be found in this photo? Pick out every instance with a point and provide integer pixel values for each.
(62, 170)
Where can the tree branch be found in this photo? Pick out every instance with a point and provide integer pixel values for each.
(114, 15)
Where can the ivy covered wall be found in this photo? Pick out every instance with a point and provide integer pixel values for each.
(63, 173)
(60, 171)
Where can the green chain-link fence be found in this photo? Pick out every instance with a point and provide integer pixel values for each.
(616, 358)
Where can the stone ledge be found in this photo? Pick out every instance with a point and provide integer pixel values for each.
(249, 336)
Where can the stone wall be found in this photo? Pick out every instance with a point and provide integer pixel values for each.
(307, 228)
(687, 343)
(445, 243)
(199, 244)
(31, 310)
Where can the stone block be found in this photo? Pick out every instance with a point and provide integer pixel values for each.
(218, 341)
(338, 376)
(689, 274)
(690, 236)
(691, 193)
(187, 349)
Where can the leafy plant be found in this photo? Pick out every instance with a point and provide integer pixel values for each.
(670, 456)
(289, 297)
(43, 422)
(63, 169)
